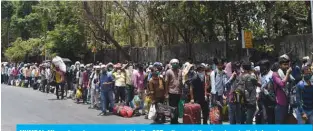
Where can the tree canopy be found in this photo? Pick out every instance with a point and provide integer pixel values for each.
(71, 28)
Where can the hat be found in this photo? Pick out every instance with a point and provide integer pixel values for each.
(77, 63)
(284, 58)
(82, 66)
(102, 66)
(97, 67)
(157, 64)
(174, 61)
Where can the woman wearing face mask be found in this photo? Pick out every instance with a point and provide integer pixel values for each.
(305, 97)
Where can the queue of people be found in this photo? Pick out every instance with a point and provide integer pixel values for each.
(265, 92)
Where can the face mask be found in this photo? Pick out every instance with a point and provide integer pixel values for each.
(110, 69)
(118, 71)
(307, 77)
(175, 66)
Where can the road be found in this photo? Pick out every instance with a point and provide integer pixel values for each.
(26, 106)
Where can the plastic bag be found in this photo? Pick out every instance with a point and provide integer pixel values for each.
(152, 112)
(78, 94)
(181, 108)
(137, 103)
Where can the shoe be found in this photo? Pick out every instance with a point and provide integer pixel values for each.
(146, 116)
(102, 114)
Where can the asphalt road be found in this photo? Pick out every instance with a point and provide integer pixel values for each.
(28, 106)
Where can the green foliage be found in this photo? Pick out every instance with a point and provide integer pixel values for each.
(20, 49)
(66, 41)
(64, 29)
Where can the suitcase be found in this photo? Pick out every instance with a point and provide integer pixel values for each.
(192, 114)
(215, 115)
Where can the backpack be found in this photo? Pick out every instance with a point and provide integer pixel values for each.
(293, 94)
(236, 95)
(247, 88)
(268, 94)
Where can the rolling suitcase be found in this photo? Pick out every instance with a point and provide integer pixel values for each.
(192, 114)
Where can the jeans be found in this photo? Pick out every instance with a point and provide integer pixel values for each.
(120, 94)
(250, 111)
(106, 96)
(309, 114)
(280, 114)
(94, 97)
(235, 113)
(62, 90)
(129, 94)
(85, 94)
(173, 102)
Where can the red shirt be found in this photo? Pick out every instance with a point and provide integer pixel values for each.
(85, 79)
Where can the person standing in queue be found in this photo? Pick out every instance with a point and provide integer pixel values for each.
(173, 87)
(280, 84)
(106, 90)
(198, 91)
(156, 92)
(59, 79)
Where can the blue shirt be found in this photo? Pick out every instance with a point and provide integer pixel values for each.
(304, 96)
(107, 77)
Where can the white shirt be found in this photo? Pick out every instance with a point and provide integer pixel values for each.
(95, 76)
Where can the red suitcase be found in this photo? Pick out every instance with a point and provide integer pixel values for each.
(192, 114)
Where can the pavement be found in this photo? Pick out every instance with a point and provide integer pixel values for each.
(27, 106)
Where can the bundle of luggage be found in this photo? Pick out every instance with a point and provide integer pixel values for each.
(166, 110)
(123, 111)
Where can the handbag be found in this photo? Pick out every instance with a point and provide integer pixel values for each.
(166, 110)
(152, 112)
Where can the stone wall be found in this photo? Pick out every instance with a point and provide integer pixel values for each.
(297, 45)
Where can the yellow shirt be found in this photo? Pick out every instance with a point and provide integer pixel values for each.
(58, 78)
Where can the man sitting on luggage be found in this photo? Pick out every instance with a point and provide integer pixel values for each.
(198, 91)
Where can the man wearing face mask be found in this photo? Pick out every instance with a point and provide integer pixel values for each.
(281, 82)
(267, 100)
(219, 81)
(129, 83)
(305, 97)
(235, 96)
(120, 83)
(106, 90)
(198, 91)
(173, 78)
(93, 83)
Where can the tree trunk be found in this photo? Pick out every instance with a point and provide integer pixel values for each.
(106, 34)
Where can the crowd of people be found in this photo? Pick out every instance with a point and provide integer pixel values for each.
(265, 92)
